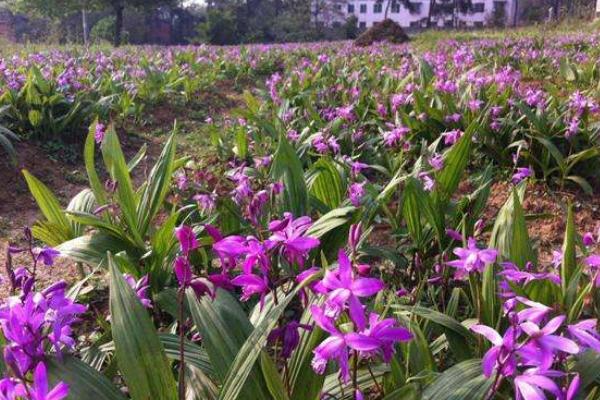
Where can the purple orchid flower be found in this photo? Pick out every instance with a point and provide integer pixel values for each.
(332, 348)
(533, 383)
(140, 288)
(436, 162)
(539, 350)
(378, 338)
(187, 239)
(472, 259)
(356, 192)
(252, 284)
(99, 132)
(585, 333)
(502, 355)
(521, 174)
(289, 337)
(46, 254)
(39, 389)
(344, 290)
(289, 233)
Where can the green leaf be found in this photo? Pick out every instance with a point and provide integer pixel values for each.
(325, 183)
(246, 357)
(411, 210)
(91, 249)
(195, 355)
(139, 352)
(462, 381)
(84, 381)
(157, 187)
(48, 204)
(438, 318)
(224, 328)
(117, 167)
(587, 364)
(408, 392)
(330, 221)
(90, 165)
(272, 377)
(199, 386)
(455, 162)
(287, 168)
(84, 202)
(569, 260)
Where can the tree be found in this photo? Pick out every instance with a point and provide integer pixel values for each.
(57, 9)
(118, 6)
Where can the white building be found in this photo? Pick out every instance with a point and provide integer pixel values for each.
(414, 14)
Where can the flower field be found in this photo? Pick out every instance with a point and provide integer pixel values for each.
(361, 223)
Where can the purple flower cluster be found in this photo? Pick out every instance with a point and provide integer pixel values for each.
(370, 336)
(288, 240)
(533, 350)
(34, 323)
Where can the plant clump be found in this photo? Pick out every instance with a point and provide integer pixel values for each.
(384, 31)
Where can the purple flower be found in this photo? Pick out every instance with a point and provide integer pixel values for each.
(206, 202)
(454, 235)
(46, 254)
(289, 337)
(356, 191)
(452, 136)
(588, 239)
(332, 348)
(187, 239)
(539, 350)
(39, 389)
(354, 236)
(379, 338)
(532, 384)
(585, 333)
(140, 288)
(573, 388)
(502, 355)
(252, 284)
(394, 137)
(99, 132)
(428, 182)
(183, 271)
(437, 162)
(472, 259)
(535, 313)
(343, 289)
(289, 233)
(521, 174)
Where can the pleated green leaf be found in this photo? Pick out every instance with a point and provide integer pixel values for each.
(140, 354)
(84, 381)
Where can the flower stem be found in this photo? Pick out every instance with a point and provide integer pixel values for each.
(181, 347)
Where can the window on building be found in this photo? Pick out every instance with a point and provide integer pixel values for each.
(362, 24)
(377, 8)
(414, 7)
(478, 24)
(415, 24)
(363, 8)
(338, 7)
(350, 8)
(395, 7)
(478, 7)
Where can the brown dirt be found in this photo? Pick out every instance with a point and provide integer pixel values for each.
(18, 208)
(548, 230)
